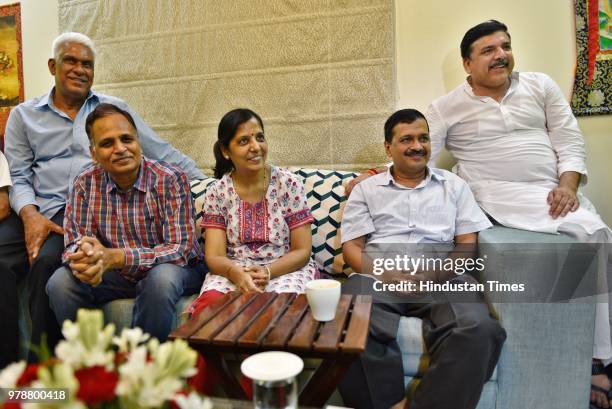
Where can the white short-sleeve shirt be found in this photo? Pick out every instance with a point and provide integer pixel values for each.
(438, 209)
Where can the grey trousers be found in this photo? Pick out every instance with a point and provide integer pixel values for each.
(463, 340)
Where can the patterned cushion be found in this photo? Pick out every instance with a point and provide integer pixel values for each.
(198, 191)
(325, 193)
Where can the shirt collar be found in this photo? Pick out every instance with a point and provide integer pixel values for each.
(514, 79)
(387, 178)
(47, 99)
(139, 184)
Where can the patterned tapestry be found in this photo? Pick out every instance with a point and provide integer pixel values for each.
(321, 73)
(592, 93)
(11, 66)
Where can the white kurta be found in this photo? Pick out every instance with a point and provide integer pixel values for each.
(5, 175)
(511, 153)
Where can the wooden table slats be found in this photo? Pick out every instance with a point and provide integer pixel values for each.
(230, 334)
(304, 334)
(191, 326)
(221, 319)
(282, 331)
(357, 331)
(254, 336)
(331, 331)
(251, 322)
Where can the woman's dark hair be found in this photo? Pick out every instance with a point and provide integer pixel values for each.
(478, 31)
(101, 111)
(227, 130)
(403, 116)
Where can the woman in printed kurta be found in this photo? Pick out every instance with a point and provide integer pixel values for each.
(256, 219)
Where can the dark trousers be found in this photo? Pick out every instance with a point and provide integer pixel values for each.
(462, 339)
(14, 267)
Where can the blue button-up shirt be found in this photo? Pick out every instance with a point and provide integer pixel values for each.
(46, 150)
(438, 209)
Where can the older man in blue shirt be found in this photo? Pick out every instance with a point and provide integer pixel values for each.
(408, 212)
(46, 147)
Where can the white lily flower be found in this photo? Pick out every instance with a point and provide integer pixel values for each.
(153, 345)
(10, 375)
(86, 342)
(130, 339)
(176, 359)
(159, 393)
(193, 401)
(133, 372)
(148, 384)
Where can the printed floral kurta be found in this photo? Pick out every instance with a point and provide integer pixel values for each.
(258, 234)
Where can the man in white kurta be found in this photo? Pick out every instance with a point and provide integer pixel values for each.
(512, 152)
(518, 146)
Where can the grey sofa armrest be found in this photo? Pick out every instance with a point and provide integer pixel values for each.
(545, 362)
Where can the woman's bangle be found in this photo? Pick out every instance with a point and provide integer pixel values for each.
(269, 272)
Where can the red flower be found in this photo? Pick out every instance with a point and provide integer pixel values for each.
(96, 384)
(28, 375)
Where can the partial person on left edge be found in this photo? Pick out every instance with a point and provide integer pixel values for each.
(46, 147)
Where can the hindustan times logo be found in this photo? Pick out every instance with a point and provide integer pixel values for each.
(414, 264)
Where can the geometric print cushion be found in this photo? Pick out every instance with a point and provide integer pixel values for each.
(325, 194)
(198, 191)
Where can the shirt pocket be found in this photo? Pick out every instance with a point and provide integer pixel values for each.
(440, 222)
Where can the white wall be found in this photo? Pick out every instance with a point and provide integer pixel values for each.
(428, 59)
(543, 39)
(38, 29)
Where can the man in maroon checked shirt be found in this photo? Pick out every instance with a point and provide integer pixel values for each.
(130, 230)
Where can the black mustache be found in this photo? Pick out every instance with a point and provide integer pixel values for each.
(416, 153)
(501, 63)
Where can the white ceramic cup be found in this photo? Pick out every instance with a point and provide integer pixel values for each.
(323, 297)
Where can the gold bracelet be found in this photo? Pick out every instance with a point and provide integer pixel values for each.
(269, 272)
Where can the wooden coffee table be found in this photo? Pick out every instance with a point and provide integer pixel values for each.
(254, 322)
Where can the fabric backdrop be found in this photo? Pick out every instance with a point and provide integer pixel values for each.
(592, 94)
(319, 72)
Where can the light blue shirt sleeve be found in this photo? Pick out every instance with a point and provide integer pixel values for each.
(356, 220)
(20, 157)
(156, 148)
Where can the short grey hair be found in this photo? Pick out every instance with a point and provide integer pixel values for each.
(72, 37)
